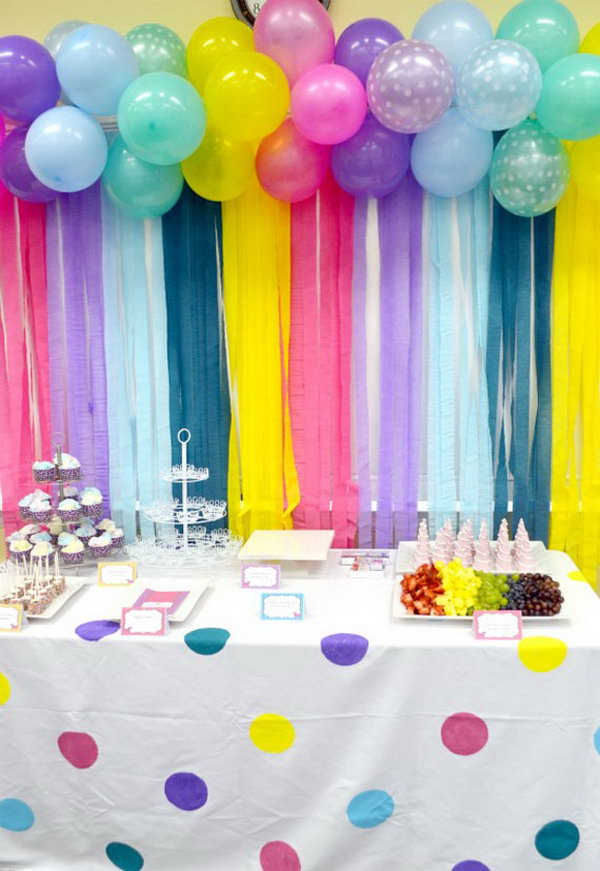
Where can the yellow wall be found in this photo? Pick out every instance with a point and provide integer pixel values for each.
(35, 17)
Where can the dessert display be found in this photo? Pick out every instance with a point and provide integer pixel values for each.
(503, 556)
(33, 583)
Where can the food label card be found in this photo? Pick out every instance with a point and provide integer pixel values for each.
(266, 577)
(282, 606)
(116, 574)
(170, 600)
(11, 618)
(143, 621)
(497, 625)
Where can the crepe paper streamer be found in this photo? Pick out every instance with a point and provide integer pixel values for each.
(57, 325)
(199, 398)
(575, 485)
(262, 479)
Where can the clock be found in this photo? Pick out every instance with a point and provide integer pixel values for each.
(247, 10)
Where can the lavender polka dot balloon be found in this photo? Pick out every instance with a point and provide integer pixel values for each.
(410, 86)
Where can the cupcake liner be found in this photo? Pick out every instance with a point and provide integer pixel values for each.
(69, 516)
(72, 559)
(25, 513)
(42, 516)
(69, 474)
(117, 543)
(85, 538)
(19, 557)
(101, 552)
(44, 475)
(92, 510)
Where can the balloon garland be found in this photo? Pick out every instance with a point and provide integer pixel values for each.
(287, 103)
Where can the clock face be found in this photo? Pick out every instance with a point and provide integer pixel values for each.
(247, 10)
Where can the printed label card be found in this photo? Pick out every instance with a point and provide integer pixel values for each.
(261, 576)
(282, 606)
(143, 621)
(11, 618)
(497, 625)
(116, 574)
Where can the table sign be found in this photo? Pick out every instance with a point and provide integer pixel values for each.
(170, 600)
(116, 574)
(143, 621)
(497, 625)
(266, 577)
(349, 557)
(282, 606)
(11, 618)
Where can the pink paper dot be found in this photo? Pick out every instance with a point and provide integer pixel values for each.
(464, 734)
(78, 748)
(279, 856)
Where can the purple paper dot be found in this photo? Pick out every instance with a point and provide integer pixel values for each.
(470, 865)
(186, 791)
(97, 629)
(344, 648)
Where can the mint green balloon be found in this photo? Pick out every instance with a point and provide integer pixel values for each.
(138, 188)
(530, 170)
(158, 49)
(161, 118)
(569, 105)
(546, 27)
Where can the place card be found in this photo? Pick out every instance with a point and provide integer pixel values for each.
(116, 574)
(168, 599)
(143, 621)
(11, 618)
(349, 557)
(261, 576)
(282, 606)
(497, 625)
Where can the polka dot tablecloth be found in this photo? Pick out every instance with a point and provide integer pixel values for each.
(347, 742)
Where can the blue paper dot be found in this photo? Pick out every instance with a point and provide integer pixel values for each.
(207, 642)
(557, 840)
(124, 857)
(371, 808)
(15, 815)
(597, 740)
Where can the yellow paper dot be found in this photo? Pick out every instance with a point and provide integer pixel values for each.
(542, 653)
(272, 733)
(4, 689)
(579, 576)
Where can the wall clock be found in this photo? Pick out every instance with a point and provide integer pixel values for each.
(247, 10)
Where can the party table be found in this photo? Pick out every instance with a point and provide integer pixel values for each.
(328, 744)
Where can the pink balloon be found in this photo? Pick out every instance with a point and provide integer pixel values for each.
(289, 166)
(298, 34)
(329, 104)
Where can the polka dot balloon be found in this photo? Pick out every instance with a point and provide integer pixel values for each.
(410, 86)
(498, 85)
(530, 170)
(158, 49)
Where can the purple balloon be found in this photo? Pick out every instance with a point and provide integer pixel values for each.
(28, 81)
(15, 172)
(362, 41)
(373, 162)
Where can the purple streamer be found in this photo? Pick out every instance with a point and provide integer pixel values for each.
(408, 524)
(359, 343)
(57, 350)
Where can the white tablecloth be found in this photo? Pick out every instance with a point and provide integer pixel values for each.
(156, 708)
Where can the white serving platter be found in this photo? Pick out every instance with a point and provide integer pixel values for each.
(124, 597)
(71, 587)
(299, 545)
(406, 556)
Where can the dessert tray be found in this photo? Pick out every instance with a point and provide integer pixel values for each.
(406, 556)
(113, 601)
(72, 587)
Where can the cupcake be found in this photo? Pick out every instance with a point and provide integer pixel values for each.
(29, 529)
(91, 502)
(20, 549)
(66, 538)
(73, 553)
(44, 471)
(69, 468)
(40, 536)
(41, 510)
(106, 525)
(42, 549)
(117, 538)
(71, 492)
(24, 504)
(100, 545)
(69, 510)
(85, 532)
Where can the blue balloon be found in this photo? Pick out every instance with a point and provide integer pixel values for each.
(94, 65)
(451, 157)
(66, 149)
(138, 188)
(456, 28)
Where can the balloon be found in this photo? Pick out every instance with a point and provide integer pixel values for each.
(530, 170)
(328, 104)
(361, 42)
(220, 169)
(28, 83)
(161, 118)
(289, 166)
(298, 34)
(373, 162)
(569, 106)
(410, 86)
(499, 85)
(452, 156)
(138, 188)
(95, 64)
(585, 167)
(247, 95)
(456, 28)
(157, 49)
(2, 129)
(66, 149)
(55, 37)
(211, 42)
(591, 43)
(546, 27)
(15, 172)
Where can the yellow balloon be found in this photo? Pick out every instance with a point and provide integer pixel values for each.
(247, 95)
(591, 43)
(220, 169)
(211, 42)
(585, 166)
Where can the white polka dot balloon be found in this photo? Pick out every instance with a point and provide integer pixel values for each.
(499, 85)
(410, 86)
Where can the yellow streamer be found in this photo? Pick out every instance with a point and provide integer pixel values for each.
(575, 520)
(263, 484)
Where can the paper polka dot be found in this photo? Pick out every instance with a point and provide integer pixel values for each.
(78, 748)
(124, 857)
(344, 648)
(542, 653)
(4, 689)
(97, 629)
(186, 791)
(579, 576)
(557, 840)
(15, 815)
(371, 808)
(272, 733)
(279, 856)
(470, 865)
(597, 740)
(207, 642)
(464, 734)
